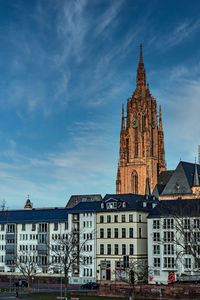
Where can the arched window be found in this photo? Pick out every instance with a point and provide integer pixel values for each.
(134, 182)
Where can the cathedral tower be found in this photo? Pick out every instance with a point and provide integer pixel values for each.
(142, 154)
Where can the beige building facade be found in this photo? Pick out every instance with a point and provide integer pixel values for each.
(121, 235)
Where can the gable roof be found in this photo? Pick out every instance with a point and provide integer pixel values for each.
(176, 208)
(177, 182)
(34, 215)
(163, 179)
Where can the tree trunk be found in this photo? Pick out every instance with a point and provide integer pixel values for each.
(66, 284)
(29, 284)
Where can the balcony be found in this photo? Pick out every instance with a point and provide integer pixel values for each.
(10, 249)
(10, 259)
(42, 249)
(10, 236)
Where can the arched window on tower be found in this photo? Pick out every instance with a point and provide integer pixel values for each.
(134, 182)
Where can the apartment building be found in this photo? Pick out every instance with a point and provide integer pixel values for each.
(82, 219)
(121, 226)
(28, 235)
(174, 240)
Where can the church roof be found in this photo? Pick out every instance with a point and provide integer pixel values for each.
(176, 208)
(178, 181)
(162, 181)
(182, 179)
(34, 215)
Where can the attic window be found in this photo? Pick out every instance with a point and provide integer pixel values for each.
(111, 205)
(124, 204)
(102, 205)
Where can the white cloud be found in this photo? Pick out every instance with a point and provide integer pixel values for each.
(179, 34)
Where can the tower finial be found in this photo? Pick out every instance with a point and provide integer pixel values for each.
(141, 58)
(123, 124)
(160, 119)
(196, 176)
(141, 74)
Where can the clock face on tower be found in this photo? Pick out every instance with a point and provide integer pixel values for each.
(134, 123)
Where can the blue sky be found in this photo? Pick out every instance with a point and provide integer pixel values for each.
(66, 67)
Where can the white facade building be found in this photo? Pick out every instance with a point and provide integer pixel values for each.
(83, 219)
(174, 241)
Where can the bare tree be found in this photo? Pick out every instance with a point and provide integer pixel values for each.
(29, 264)
(134, 272)
(181, 227)
(66, 255)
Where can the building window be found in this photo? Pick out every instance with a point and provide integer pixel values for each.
(108, 233)
(168, 224)
(108, 249)
(140, 218)
(188, 264)
(101, 249)
(66, 225)
(156, 262)
(156, 249)
(11, 228)
(131, 249)
(123, 218)
(101, 219)
(116, 218)
(116, 232)
(2, 227)
(123, 232)
(130, 218)
(140, 232)
(169, 262)
(43, 227)
(156, 236)
(187, 224)
(169, 249)
(196, 223)
(108, 219)
(156, 224)
(55, 226)
(134, 181)
(23, 227)
(101, 233)
(131, 232)
(33, 227)
(116, 249)
(169, 236)
(123, 249)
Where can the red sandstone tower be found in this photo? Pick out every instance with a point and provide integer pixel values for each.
(142, 154)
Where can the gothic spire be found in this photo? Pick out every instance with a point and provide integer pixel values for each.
(122, 136)
(147, 189)
(141, 58)
(160, 120)
(141, 73)
(196, 176)
(123, 124)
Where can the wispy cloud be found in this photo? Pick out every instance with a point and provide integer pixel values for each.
(182, 32)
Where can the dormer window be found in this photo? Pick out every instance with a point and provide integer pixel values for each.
(111, 205)
(124, 204)
(102, 205)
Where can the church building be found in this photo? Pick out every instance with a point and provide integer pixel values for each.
(142, 154)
